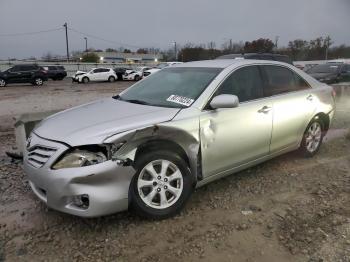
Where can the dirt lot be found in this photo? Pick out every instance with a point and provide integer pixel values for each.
(287, 209)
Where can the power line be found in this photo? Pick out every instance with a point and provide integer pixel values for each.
(32, 33)
(102, 39)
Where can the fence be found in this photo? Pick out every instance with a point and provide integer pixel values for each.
(72, 67)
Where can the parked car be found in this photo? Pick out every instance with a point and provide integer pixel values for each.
(331, 73)
(258, 56)
(307, 67)
(96, 74)
(55, 72)
(159, 67)
(120, 71)
(26, 73)
(135, 74)
(149, 147)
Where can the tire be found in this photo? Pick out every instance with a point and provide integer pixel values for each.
(145, 184)
(3, 82)
(38, 81)
(111, 79)
(312, 138)
(137, 78)
(85, 80)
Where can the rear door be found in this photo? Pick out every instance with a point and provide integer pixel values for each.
(105, 73)
(27, 73)
(231, 137)
(293, 105)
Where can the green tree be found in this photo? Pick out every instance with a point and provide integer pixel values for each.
(90, 57)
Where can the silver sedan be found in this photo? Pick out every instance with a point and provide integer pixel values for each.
(149, 147)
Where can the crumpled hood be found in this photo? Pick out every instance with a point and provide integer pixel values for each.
(92, 123)
(323, 75)
(80, 73)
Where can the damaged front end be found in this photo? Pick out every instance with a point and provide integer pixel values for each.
(181, 137)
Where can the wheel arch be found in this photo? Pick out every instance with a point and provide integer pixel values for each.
(161, 144)
(324, 119)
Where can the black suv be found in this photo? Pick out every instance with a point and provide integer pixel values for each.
(258, 56)
(28, 73)
(55, 72)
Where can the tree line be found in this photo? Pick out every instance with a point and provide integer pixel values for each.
(299, 49)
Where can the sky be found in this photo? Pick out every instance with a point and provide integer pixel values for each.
(158, 23)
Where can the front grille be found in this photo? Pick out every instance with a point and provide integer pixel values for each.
(38, 155)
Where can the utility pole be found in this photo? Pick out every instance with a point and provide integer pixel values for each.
(86, 44)
(66, 28)
(231, 45)
(276, 41)
(175, 50)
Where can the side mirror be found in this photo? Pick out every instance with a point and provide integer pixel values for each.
(224, 101)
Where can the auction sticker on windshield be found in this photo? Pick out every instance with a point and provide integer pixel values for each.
(180, 100)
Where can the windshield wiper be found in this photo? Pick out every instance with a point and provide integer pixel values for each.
(135, 101)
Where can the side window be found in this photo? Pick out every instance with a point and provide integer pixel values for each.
(245, 83)
(279, 80)
(16, 69)
(98, 70)
(300, 83)
(104, 70)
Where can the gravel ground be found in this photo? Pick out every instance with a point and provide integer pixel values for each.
(287, 209)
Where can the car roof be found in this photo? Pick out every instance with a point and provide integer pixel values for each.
(223, 63)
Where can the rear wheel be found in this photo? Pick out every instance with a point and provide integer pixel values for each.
(85, 80)
(161, 185)
(312, 138)
(111, 79)
(2, 82)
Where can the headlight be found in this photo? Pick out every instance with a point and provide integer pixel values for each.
(80, 158)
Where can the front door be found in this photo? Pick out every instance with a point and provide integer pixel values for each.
(231, 137)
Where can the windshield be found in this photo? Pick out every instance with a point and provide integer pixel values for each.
(172, 87)
(324, 69)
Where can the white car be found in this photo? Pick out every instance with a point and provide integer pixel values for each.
(159, 67)
(95, 74)
(136, 74)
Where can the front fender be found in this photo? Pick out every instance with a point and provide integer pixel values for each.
(184, 133)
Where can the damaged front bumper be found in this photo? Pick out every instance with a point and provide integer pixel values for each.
(89, 191)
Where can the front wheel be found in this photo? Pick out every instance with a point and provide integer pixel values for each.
(312, 138)
(2, 82)
(85, 80)
(137, 78)
(38, 81)
(161, 185)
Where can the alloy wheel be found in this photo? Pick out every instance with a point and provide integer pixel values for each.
(313, 137)
(2, 83)
(38, 81)
(160, 184)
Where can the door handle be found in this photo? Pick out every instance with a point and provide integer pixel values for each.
(310, 97)
(265, 109)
